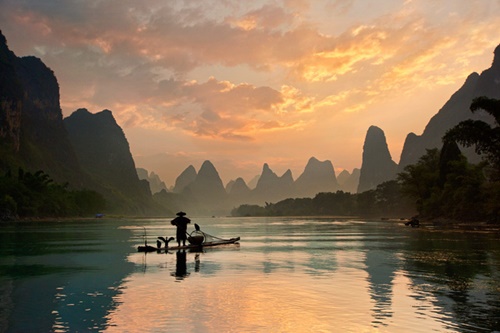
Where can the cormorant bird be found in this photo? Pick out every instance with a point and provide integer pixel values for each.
(165, 240)
(197, 227)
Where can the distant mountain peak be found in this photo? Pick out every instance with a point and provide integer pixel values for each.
(239, 187)
(318, 176)
(496, 57)
(287, 176)
(207, 186)
(207, 168)
(377, 165)
(455, 110)
(185, 178)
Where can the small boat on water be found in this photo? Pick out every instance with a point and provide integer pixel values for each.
(197, 240)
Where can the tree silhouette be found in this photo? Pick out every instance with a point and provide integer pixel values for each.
(484, 137)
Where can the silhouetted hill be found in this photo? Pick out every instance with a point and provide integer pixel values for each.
(239, 188)
(104, 154)
(184, 179)
(270, 187)
(238, 193)
(253, 182)
(348, 182)
(455, 110)
(197, 193)
(317, 177)
(377, 166)
(155, 183)
(11, 103)
(34, 136)
(207, 187)
(31, 127)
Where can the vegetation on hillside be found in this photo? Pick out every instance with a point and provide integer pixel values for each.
(32, 195)
(486, 141)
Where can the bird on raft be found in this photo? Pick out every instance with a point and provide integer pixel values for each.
(166, 240)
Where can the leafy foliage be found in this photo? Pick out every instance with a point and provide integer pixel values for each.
(37, 195)
(444, 184)
(482, 136)
(486, 142)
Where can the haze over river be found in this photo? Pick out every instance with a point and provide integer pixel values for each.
(286, 275)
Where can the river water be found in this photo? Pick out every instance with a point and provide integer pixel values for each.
(285, 275)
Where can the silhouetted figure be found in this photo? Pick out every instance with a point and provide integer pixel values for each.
(196, 227)
(181, 222)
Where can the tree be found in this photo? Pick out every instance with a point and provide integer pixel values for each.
(37, 195)
(486, 142)
(420, 182)
(450, 153)
(390, 202)
(484, 137)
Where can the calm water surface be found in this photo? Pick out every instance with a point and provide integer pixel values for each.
(286, 275)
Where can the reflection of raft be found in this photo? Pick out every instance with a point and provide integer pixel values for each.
(197, 239)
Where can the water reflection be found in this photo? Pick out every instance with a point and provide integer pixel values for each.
(61, 276)
(302, 275)
(464, 275)
(381, 268)
(197, 263)
(180, 266)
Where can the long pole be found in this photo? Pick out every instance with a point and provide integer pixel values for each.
(145, 237)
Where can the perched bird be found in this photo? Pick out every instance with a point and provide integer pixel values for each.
(165, 240)
(197, 227)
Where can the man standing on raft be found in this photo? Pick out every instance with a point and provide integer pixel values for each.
(181, 222)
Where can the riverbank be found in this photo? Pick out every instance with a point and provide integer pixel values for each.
(459, 226)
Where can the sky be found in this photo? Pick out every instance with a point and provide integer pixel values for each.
(243, 83)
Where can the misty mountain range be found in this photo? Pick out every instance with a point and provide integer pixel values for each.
(91, 151)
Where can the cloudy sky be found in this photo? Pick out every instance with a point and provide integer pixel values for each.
(243, 83)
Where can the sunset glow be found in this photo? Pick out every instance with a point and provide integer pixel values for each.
(247, 83)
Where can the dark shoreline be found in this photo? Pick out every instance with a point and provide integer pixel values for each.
(460, 226)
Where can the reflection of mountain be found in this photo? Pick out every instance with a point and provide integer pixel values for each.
(457, 275)
(53, 291)
(381, 266)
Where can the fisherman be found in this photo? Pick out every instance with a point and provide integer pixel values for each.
(181, 221)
